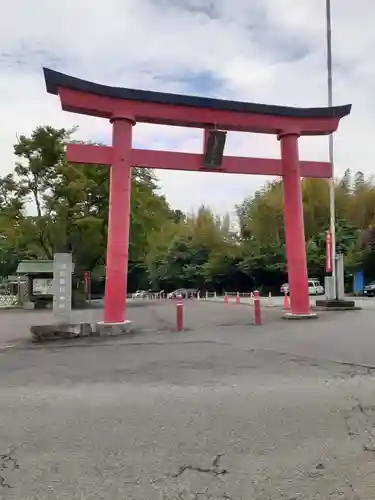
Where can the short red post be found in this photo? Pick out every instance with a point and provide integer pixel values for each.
(257, 313)
(238, 300)
(87, 285)
(86, 281)
(179, 316)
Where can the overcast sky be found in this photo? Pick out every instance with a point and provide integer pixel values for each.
(268, 51)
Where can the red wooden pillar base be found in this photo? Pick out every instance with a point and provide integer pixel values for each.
(180, 316)
(118, 222)
(294, 226)
(257, 312)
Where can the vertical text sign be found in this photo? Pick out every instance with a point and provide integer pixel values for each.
(62, 286)
(328, 252)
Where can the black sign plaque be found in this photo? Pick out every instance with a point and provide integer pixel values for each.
(214, 149)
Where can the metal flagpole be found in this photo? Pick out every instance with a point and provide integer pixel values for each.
(330, 147)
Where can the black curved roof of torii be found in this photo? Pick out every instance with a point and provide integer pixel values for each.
(54, 79)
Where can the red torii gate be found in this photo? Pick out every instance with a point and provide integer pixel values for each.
(125, 107)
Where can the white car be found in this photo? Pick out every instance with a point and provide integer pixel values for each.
(315, 288)
(139, 294)
(176, 294)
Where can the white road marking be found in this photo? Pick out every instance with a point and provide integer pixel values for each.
(6, 346)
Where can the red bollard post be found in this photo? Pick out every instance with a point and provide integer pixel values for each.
(179, 316)
(257, 313)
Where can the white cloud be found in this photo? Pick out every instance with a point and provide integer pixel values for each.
(270, 51)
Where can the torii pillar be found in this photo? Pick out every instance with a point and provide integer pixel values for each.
(118, 221)
(125, 107)
(294, 227)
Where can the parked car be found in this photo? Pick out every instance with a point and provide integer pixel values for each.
(315, 288)
(369, 290)
(284, 289)
(176, 294)
(180, 293)
(141, 294)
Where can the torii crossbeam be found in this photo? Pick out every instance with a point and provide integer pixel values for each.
(125, 107)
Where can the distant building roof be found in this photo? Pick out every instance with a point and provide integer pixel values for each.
(36, 267)
(13, 278)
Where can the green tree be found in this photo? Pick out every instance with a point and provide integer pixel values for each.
(49, 205)
(261, 216)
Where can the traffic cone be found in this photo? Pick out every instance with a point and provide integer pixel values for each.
(226, 299)
(238, 300)
(286, 305)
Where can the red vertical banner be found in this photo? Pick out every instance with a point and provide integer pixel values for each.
(86, 281)
(328, 252)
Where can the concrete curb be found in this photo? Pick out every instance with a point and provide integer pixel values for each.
(50, 332)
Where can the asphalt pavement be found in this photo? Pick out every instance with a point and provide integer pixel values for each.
(222, 410)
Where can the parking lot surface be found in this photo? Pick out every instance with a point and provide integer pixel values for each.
(222, 410)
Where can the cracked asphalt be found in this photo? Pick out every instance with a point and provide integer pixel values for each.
(223, 410)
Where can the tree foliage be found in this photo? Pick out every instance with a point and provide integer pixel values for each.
(49, 205)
